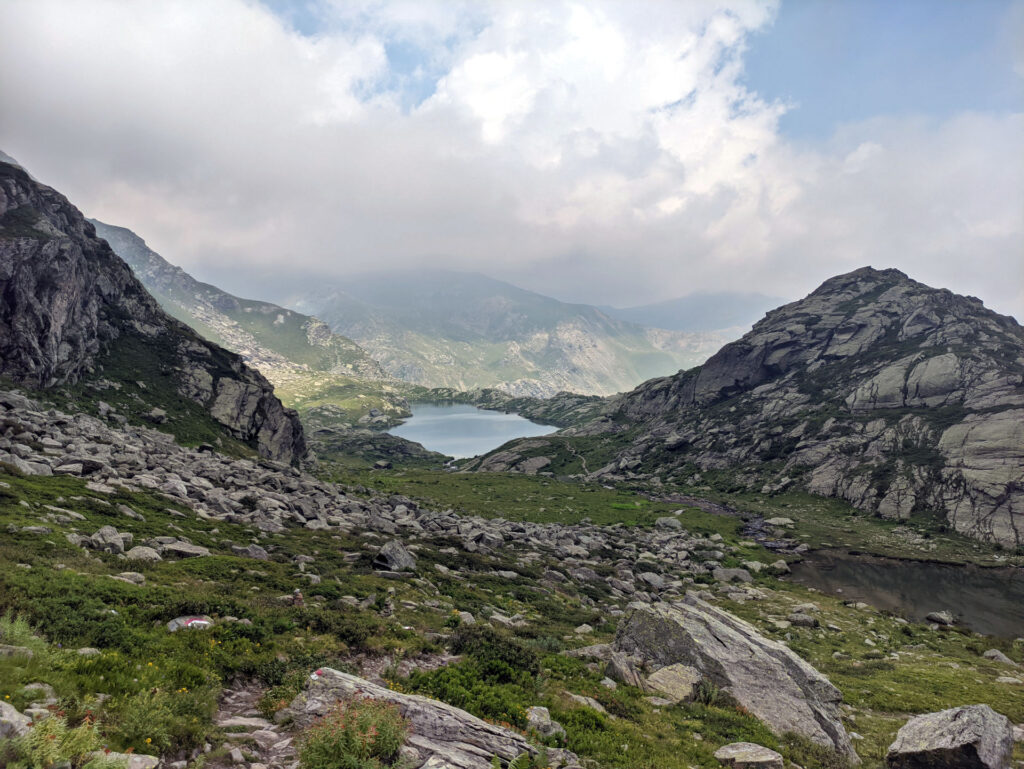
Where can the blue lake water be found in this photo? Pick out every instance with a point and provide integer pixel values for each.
(465, 431)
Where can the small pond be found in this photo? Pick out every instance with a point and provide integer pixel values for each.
(987, 600)
(465, 431)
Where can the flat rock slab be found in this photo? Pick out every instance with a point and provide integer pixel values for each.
(969, 737)
(201, 622)
(762, 675)
(438, 731)
(749, 755)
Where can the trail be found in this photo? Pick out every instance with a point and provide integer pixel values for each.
(248, 734)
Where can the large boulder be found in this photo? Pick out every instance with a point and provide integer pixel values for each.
(762, 675)
(440, 732)
(970, 737)
(394, 557)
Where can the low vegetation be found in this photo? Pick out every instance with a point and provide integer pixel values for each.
(152, 691)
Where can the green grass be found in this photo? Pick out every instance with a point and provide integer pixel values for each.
(162, 686)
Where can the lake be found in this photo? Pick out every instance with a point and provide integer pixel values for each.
(462, 431)
(987, 600)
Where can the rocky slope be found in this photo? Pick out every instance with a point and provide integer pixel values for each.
(71, 309)
(902, 399)
(445, 329)
(281, 343)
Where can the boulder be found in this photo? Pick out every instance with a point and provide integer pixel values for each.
(394, 557)
(251, 551)
(201, 622)
(972, 737)
(12, 723)
(144, 554)
(749, 755)
(184, 550)
(538, 720)
(762, 675)
(437, 730)
(128, 760)
(940, 618)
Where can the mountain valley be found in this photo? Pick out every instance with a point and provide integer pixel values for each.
(183, 584)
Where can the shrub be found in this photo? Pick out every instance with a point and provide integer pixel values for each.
(487, 645)
(358, 734)
(51, 743)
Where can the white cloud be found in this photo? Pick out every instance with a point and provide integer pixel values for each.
(603, 151)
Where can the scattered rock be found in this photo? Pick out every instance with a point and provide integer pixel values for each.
(201, 622)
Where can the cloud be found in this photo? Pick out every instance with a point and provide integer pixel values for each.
(605, 152)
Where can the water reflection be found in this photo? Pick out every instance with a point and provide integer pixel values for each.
(465, 431)
(989, 601)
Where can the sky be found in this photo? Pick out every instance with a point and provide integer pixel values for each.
(601, 152)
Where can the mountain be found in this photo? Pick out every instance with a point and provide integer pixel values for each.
(74, 315)
(269, 337)
(905, 400)
(465, 331)
(700, 312)
(308, 364)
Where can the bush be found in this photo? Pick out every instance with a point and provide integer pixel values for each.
(490, 645)
(51, 743)
(358, 734)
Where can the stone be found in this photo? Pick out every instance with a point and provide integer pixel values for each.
(761, 675)
(972, 736)
(676, 682)
(749, 755)
(251, 551)
(128, 760)
(12, 723)
(201, 622)
(144, 554)
(538, 720)
(732, 575)
(940, 618)
(621, 669)
(394, 557)
(437, 730)
(6, 650)
(184, 550)
(997, 656)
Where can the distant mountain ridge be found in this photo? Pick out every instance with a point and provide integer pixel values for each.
(700, 311)
(905, 400)
(269, 337)
(448, 329)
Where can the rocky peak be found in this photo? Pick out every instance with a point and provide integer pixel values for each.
(69, 303)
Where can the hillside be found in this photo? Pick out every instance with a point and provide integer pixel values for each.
(904, 400)
(464, 331)
(75, 317)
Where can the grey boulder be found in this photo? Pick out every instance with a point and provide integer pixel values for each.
(969, 737)
(12, 723)
(762, 675)
(394, 557)
(749, 755)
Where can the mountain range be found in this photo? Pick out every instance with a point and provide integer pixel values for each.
(461, 330)
(905, 400)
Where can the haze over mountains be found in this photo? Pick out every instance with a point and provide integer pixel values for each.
(450, 329)
(700, 311)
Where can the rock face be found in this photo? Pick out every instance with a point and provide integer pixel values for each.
(899, 398)
(971, 737)
(438, 731)
(763, 676)
(69, 303)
